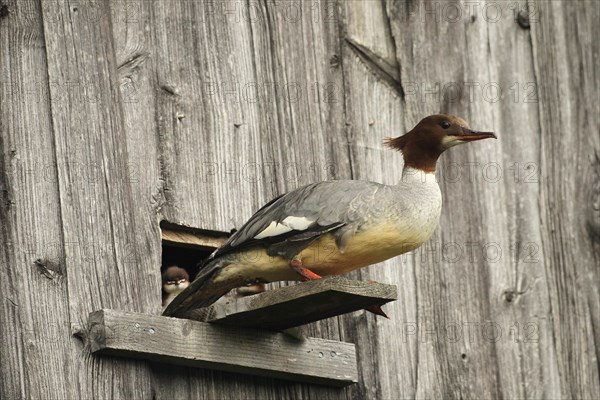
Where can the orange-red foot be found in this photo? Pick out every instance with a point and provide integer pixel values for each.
(308, 275)
(304, 272)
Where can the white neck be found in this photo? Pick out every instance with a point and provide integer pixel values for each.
(417, 176)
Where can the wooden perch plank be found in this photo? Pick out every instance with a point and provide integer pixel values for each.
(198, 344)
(302, 303)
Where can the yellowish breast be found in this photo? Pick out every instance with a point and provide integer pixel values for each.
(367, 247)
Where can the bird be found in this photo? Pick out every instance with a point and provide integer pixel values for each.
(174, 281)
(334, 227)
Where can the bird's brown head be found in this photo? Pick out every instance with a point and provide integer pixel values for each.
(422, 146)
(175, 279)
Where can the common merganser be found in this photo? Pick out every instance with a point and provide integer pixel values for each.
(333, 227)
(174, 281)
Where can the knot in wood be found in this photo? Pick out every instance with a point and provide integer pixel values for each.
(523, 19)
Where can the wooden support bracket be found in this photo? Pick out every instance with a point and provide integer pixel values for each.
(239, 348)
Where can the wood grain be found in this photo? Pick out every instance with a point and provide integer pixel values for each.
(301, 304)
(569, 190)
(34, 304)
(201, 345)
(174, 236)
(115, 116)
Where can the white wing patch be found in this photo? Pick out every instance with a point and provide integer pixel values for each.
(274, 229)
(287, 225)
(297, 223)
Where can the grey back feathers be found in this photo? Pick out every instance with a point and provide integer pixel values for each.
(290, 222)
(284, 226)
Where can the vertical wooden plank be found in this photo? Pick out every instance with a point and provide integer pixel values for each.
(297, 54)
(450, 293)
(258, 97)
(525, 353)
(429, 87)
(136, 84)
(208, 137)
(473, 288)
(102, 248)
(36, 340)
(567, 53)
(374, 111)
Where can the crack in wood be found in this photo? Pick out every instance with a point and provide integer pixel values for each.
(170, 90)
(378, 66)
(133, 64)
(49, 269)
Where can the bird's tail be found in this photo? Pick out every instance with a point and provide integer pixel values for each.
(203, 291)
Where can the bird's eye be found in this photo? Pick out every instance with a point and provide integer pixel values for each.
(445, 124)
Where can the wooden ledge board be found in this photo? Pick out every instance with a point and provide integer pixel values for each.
(186, 236)
(301, 304)
(198, 344)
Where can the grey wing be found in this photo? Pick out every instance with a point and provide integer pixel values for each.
(291, 222)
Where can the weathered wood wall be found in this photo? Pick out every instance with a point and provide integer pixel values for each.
(115, 115)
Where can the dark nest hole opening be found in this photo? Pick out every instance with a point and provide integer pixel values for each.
(187, 247)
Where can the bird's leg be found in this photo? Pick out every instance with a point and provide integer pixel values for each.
(304, 272)
(308, 275)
